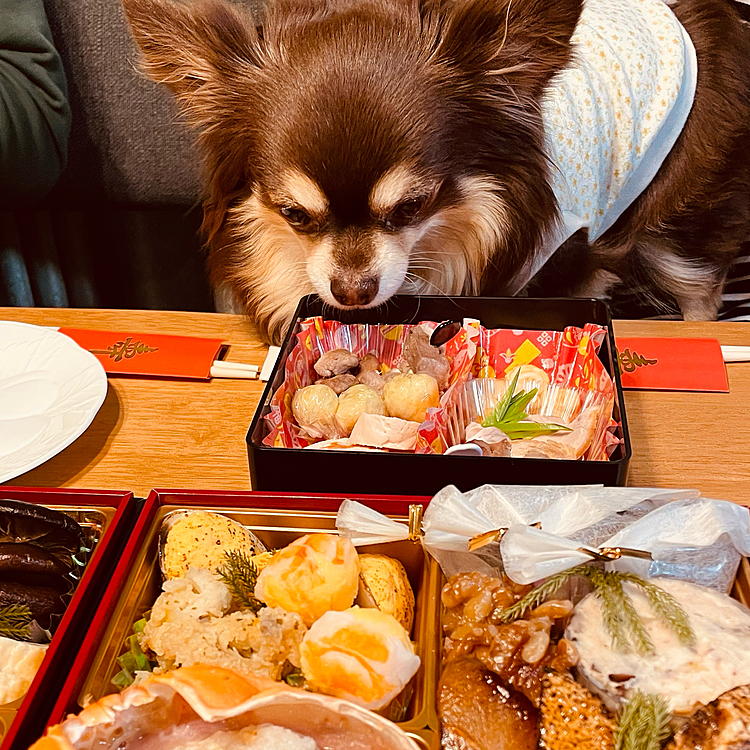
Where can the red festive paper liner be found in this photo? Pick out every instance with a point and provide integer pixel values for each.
(569, 358)
(317, 336)
(578, 379)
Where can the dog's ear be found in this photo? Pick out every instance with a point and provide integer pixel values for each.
(188, 44)
(521, 42)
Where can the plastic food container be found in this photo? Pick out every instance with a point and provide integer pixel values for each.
(297, 469)
(277, 519)
(106, 518)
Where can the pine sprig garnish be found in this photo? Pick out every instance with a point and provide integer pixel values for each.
(240, 575)
(538, 595)
(619, 616)
(634, 627)
(644, 723)
(666, 607)
(508, 415)
(611, 597)
(15, 622)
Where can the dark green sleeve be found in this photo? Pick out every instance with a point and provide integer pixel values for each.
(34, 111)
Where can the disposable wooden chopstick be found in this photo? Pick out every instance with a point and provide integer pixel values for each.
(736, 353)
(235, 366)
(237, 370)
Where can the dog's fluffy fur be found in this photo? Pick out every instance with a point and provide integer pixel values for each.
(357, 148)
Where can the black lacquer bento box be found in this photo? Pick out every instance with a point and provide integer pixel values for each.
(106, 518)
(298, 469)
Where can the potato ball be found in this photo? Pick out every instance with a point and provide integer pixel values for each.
(409, 396)
(314, 408)
(314, 574)
(354, 402)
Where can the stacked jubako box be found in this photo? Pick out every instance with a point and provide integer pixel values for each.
(106, 518)
(277, 467)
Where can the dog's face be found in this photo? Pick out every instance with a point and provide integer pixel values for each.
(349, 166)
(358, 148)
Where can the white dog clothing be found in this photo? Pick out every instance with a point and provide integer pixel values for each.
(614, 114)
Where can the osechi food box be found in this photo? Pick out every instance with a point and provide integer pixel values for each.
(370, 387)
(259, 594)
(57, 549)
(604, 623)
(282, 621)
(368, 399)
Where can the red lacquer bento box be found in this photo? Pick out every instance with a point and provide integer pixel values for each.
(106, 518)
(277, 519)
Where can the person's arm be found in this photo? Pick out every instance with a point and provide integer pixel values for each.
(34, 111)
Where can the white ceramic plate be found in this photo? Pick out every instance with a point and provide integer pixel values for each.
(50, 392)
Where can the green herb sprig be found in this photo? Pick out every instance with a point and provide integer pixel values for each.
(15, 622)
(665, 606)
(240, 575)
(644, 723)
(619, 616)
(538, 595)
(509, 413)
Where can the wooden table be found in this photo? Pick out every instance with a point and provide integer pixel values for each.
(191, 435)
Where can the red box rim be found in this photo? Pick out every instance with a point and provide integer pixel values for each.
(394, 504)
(124, 503)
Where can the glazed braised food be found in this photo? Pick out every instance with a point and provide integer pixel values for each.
(631, 665)
(42, 552)
(521, 652)
(491, 685)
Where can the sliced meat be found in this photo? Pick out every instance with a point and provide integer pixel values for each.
(335, 362)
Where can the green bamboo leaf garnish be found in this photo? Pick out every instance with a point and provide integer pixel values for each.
(644, 723)
(520, 430)
(619, 616)
(15, 622)
(240, 575)
(508, 415)
(501, 407)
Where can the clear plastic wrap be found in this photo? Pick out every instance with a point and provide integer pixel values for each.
(535, 532)
(695, 540)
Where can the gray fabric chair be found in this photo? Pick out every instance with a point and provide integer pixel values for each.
(120, 228)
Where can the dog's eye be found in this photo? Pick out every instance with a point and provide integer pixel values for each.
(405, 212)
(296, 216)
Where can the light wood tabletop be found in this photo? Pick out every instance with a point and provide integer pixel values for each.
(191, 434)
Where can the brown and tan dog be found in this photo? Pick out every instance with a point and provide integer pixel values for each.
(359, 148)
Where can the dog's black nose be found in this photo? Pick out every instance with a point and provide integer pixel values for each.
(360, 292)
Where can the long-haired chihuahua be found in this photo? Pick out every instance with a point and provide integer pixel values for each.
(360, 148)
